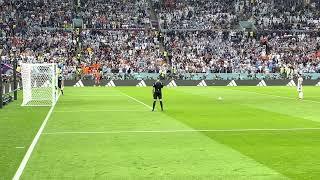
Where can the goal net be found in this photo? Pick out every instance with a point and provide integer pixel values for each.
(39, 83)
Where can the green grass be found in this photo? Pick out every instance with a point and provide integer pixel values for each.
(100, 133)
(18, 126)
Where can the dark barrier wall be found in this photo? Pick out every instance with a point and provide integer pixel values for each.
(217, 83)
(277, 82)
(190, 82)
(89, 83)
(70, 82)
(125, 82)
(177, 82)
(310, 82)
(247, 82)
(187, 83)
(8, 87)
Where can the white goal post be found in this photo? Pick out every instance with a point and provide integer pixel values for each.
(39, 83)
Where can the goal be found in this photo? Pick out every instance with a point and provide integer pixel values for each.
(39, 83)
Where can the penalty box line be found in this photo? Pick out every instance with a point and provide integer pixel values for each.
(99, 110)
(182, 131)
(272, 95)
(33, 144)
(149, 107)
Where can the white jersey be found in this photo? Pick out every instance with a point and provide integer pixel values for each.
(300, 81)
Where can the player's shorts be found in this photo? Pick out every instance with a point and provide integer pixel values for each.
(59, 84)
(157, 95)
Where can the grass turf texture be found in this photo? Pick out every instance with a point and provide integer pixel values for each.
(110, 146)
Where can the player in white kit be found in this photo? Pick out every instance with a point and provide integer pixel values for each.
(299, 87)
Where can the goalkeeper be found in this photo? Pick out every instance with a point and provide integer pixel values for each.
(60, 81)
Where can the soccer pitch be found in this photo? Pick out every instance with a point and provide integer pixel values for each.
(204, 133)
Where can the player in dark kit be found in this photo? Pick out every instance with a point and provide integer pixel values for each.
(60, 83)
(157, 93)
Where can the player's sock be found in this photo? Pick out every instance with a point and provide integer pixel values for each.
(62, 92)
(301, 95)
(154, 105)
(161, 105)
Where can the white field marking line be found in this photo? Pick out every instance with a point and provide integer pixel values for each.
(149, 107)
(106, 95)
(33, 144)
(106, 110)
(20, 147)
(284, 97)
(182, 131)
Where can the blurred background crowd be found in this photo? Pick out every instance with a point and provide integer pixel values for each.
(169, 37)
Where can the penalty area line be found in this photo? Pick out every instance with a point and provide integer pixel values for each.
(33, 144)
(182, 131)
(102, 110)
(149, 107)
(105, 95)
(272, 95)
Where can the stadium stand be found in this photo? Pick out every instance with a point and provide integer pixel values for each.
(203, 51)
(18, 15)
(119, 37)
(286, 15)
(193, 14)
(122, 51)
(115, 14)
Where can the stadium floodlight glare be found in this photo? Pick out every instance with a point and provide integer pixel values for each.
(39, 83)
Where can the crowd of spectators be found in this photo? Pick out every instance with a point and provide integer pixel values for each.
(115, 14)
(286, 15)
(194, 14)
(115, 51)
(41, 46)
(17, 15)
(122, 51)
(180, 14)
(226, 14)
(199, 36)
(216, 52)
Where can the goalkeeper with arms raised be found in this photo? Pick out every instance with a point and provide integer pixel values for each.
(157, 93)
